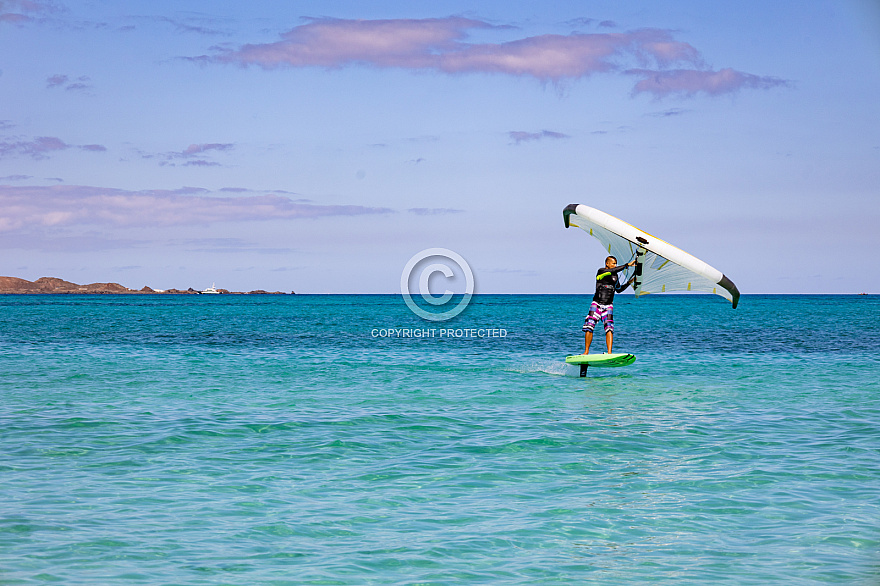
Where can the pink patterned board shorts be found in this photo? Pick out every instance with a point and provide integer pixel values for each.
(597, 312)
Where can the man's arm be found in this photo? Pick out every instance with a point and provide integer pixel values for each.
(613, 271)
(622, 288)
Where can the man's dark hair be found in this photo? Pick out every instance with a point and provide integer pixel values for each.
(610, 257)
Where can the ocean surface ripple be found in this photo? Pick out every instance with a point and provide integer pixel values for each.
(279, 440)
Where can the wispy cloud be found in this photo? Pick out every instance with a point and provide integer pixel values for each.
(20, 11)
(580, 21)
(62, 205)
(49, 242)
(688, 82)
(42, 146)
(191, 156)
(440, 44)
(519, 136)
(192, 25)
(668, 113)
(433, 211)
(263, 192)
(37, 148)
(226, 246)
(15, 177)
(197, 149)
(58, 80)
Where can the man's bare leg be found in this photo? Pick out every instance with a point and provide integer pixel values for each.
(609, 340)
(588, 338)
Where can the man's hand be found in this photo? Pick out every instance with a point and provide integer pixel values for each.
(631, 263)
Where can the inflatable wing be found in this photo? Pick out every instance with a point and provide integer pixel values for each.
(660, 266)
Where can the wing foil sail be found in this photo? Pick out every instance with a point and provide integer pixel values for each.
(660, 266)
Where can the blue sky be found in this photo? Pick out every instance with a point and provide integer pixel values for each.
(317, 146)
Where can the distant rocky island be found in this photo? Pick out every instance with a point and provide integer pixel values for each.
(53, 285)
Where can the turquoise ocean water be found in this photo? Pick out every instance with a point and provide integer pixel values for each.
(282, 440)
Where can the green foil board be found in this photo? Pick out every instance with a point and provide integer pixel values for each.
(601, 359)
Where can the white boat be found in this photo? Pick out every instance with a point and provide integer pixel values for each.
(212, 290)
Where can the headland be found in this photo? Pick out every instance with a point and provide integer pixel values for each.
(56, 286)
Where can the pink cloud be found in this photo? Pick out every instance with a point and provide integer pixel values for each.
(333, 43)
(557, 57)
(690, 82)
(13, 17)
(70, 205)
(18, 11)
(195, 149)
(440, 44)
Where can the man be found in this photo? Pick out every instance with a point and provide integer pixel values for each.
(602, 307)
